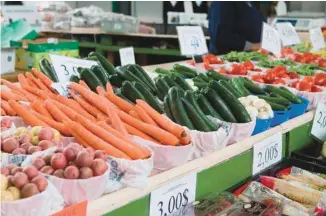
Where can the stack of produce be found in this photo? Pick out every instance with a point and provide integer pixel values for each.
(182, 70)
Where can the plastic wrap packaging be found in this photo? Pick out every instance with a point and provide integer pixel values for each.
(46, 203)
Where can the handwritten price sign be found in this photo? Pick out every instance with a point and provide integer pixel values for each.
(192, 40)
(271, 40)
(288, 34)
(317, 39)
(319, 124)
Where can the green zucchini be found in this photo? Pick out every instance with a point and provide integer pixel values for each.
(239, 81)
(108, 67)
(149, 97)
(206, 106)
(162, 71)
(142, 75)
(74, 78)
(277, 107)
(130, 92)
(281, 101)
(46, 68)
(116, 80)
(213, 85)
(162, 88)
(252, 87)
(185, 71)
(167, 108)
(291, 97)
(182, 83)
(204, 77)
(216, 75)
(91, 79)
(170, 81)
(200, 85)
(100, 73)
(119, 94)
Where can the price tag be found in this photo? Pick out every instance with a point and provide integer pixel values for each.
(192, 40)
(317, 38)
(267, 152)
(271, 40)
(65, 67)
(174, 197)
(127, 56)
(318, 129)
(61, 88)
(78, 209)
(288, 34)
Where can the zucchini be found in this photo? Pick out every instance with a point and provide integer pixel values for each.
(239, 81)
(170, 81)
(204, 77)
(238, 110)
(142, 75)
(149, 97)
(182, 83)
(162, 88)
(215, 75)
(46, 68)
(130, 92)
(74, 78)
(252, 87)
(198, 79)
(207, 107)
(178, 111)
(291, 97)
(185, 71)
(116, 80)
(190, 97)
(277, 107)
(100, 73)
(167, 108)
(281, 101)
(120, 95)
(213, 85)
(200, 85)
(162, 71)
(108, 67)
(91, 79)
(219, 105)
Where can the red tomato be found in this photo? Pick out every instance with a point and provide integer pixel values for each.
(223, 71)
(293, 75)
(297, 57)
(304, 86)
(295, 84)
(315, 89)
(248, 65)
(262, 51)
(206, 64)
(269, 76)
(243, 70)
(257, 70)
(279, 70)
(258, 78)
(285, 76)
(279, 81)
(322, 63)
(213, 59)
(320, 79)
(238, 70)
(309, 79)
(286, 51)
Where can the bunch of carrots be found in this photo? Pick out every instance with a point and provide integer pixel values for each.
(102, 121)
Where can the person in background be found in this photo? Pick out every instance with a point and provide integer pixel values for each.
(234, 26)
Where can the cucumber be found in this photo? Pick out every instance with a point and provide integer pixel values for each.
(119, 94)
(149, 97)
(91, 79)
(108, 67)
(162, 71)
(178, 110)
(182, 83)
(200, 85)
(167, 108)
(116, 80)
(130, 92)
(185, 71)
(277, 107)
(207, 107)
(238, 110)
(100, 73)
(190, 97)
(74, 78)
(196, 119)
(285, 89)
(46, 68)
(204, 77)
(215, 75)
(142, 75)
(252, 87)
(291, 97)
(170, 81)
(162, 88)
(281, 101)
(239, 81)
(213, 85)
(198, 79)
(219, 105)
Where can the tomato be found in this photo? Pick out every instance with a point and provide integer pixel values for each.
(207, 66)
(304, 86)
(257, 70)
(248, 65)
(286, 51)
(279, 81)
(322, 63)
(213, 59)
(285, 76)
(269, 76)
(295, 84)
(258, 78)
(320, 79)
(315, 89)
(262, 51)
(309, 79)
(223, 71)
(293, 75)
(297, 57)
(238, 70)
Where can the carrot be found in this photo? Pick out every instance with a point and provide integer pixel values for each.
(9, 111)
(110, 129)
(100, 90)
(132, 150)
(10, 85)
(9, 95)
(163, 136)
(37, 92)
(66, 110)
(56, 113)
(134, 114)
(44, 79)
(116, 121)
(82, 82)
(185, 140)
(144, 116)
(39, 107)
(96, 142)
(31, 83)
(122, 104)
(133, 131)
(37, 82)
(76, 136)
(22, 80)
(52, 123)
(75, 106)
(26, 114)
(164, 123)
(109, 88)
(3, 113)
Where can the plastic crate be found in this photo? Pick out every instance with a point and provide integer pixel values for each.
(311, 154)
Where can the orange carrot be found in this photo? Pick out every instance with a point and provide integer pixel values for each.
(37, 92)
(26, 114)
(9, 111)
(144, 116)
(100, 90)
(39, 107)
(116, 121)
(31, 83)
(52, 123)
(134, 114)
(56, 113)
(133, 131)
(44, 79)
(163, 136)
(132, 150)
(164, 123)
(110, 129)
(82, 82)
(37, 82)
(22, 80)
(9, 95)
(3, 113)
(96, 142)
(185, 140)
(10, 85)
(109, 88)
(66, 110)
(76, 136)
(121, 103)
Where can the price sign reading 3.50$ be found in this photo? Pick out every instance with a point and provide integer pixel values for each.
(319, 124)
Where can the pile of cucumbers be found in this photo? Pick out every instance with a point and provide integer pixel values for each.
(182, 70)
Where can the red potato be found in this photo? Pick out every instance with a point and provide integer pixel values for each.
(76, 146)
(72, 163)
(40, 182)
(90, 151)
(11, 167)
(84, 159)
(45, 144)
(45, 134)
(5, 171)
(29, 190)
(18, 151)
(10, 179)
(24, 138)
(59, 173)
(47, 170)
(47, 158)
(99, 167)
(69, 153)
(59, 161)
(38, 163)
(71, 172)
(16, 170)
(10, 144)
(58, 150)
(85, 173)
(30, 171)
(26, 146)
(20, 179)
(101, 155)
(33, 149)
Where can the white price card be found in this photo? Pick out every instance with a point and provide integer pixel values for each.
(271, 40)
(318, 129)
(192, 40)
(65, 67)
(174, 197)
(267, 152)
(61, 88)
(127, 56)
(317, 39)
(288, 33)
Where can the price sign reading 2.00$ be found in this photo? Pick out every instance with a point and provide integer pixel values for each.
(174, 197)
(319, 124)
